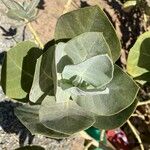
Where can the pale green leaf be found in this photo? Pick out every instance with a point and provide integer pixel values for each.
(65, 117)
(18, 69)
(96, 71)
(86, 45)
(15, 10)
(62, 95)
(88, 19)
(17, 15)
(29, 116)
(32, 6)
(11, 4)
(113, 101)
(60, 61)
(138, 63)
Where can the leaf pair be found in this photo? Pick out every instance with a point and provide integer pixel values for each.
(21, 12)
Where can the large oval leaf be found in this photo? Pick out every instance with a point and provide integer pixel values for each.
(115, 120)
(87, 45)
(29, 116)
(65, 117)
(18, 69)
(89, 19)
(113, 101)
(96, 71)
(43, 81)
(138, 63)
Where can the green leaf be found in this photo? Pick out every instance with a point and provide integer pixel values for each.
(33, 147)
(61, 95)
(96, 71)
(29, 116)
(86, 45)
(33, 15)
(65, 117)
(15, 10)
(116, 97)
(32, 6)
(17, 15)
(19, 12)
(138, 63)
(88, 19)
(115, 120)
(60, 61)
(18, 69)
(43, 81)
(11, 4)
(31, 10)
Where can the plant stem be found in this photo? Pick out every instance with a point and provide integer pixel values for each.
(144, 103)
(102, 135)
(36, 37)
(86, 136)
(137, 115)
(136, 134)
(88, 145)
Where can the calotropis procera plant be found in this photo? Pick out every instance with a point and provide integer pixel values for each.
(73, 84)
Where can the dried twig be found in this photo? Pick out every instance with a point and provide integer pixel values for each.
(86, 136)
(136, 134)
(144, 103)
(102, 135)
(88, 145)
(139, 116)
(36, 37)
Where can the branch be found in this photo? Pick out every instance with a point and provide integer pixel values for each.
(102, 135)
(144, 103)
(136, 134)
(86, 136)
(36, 37)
